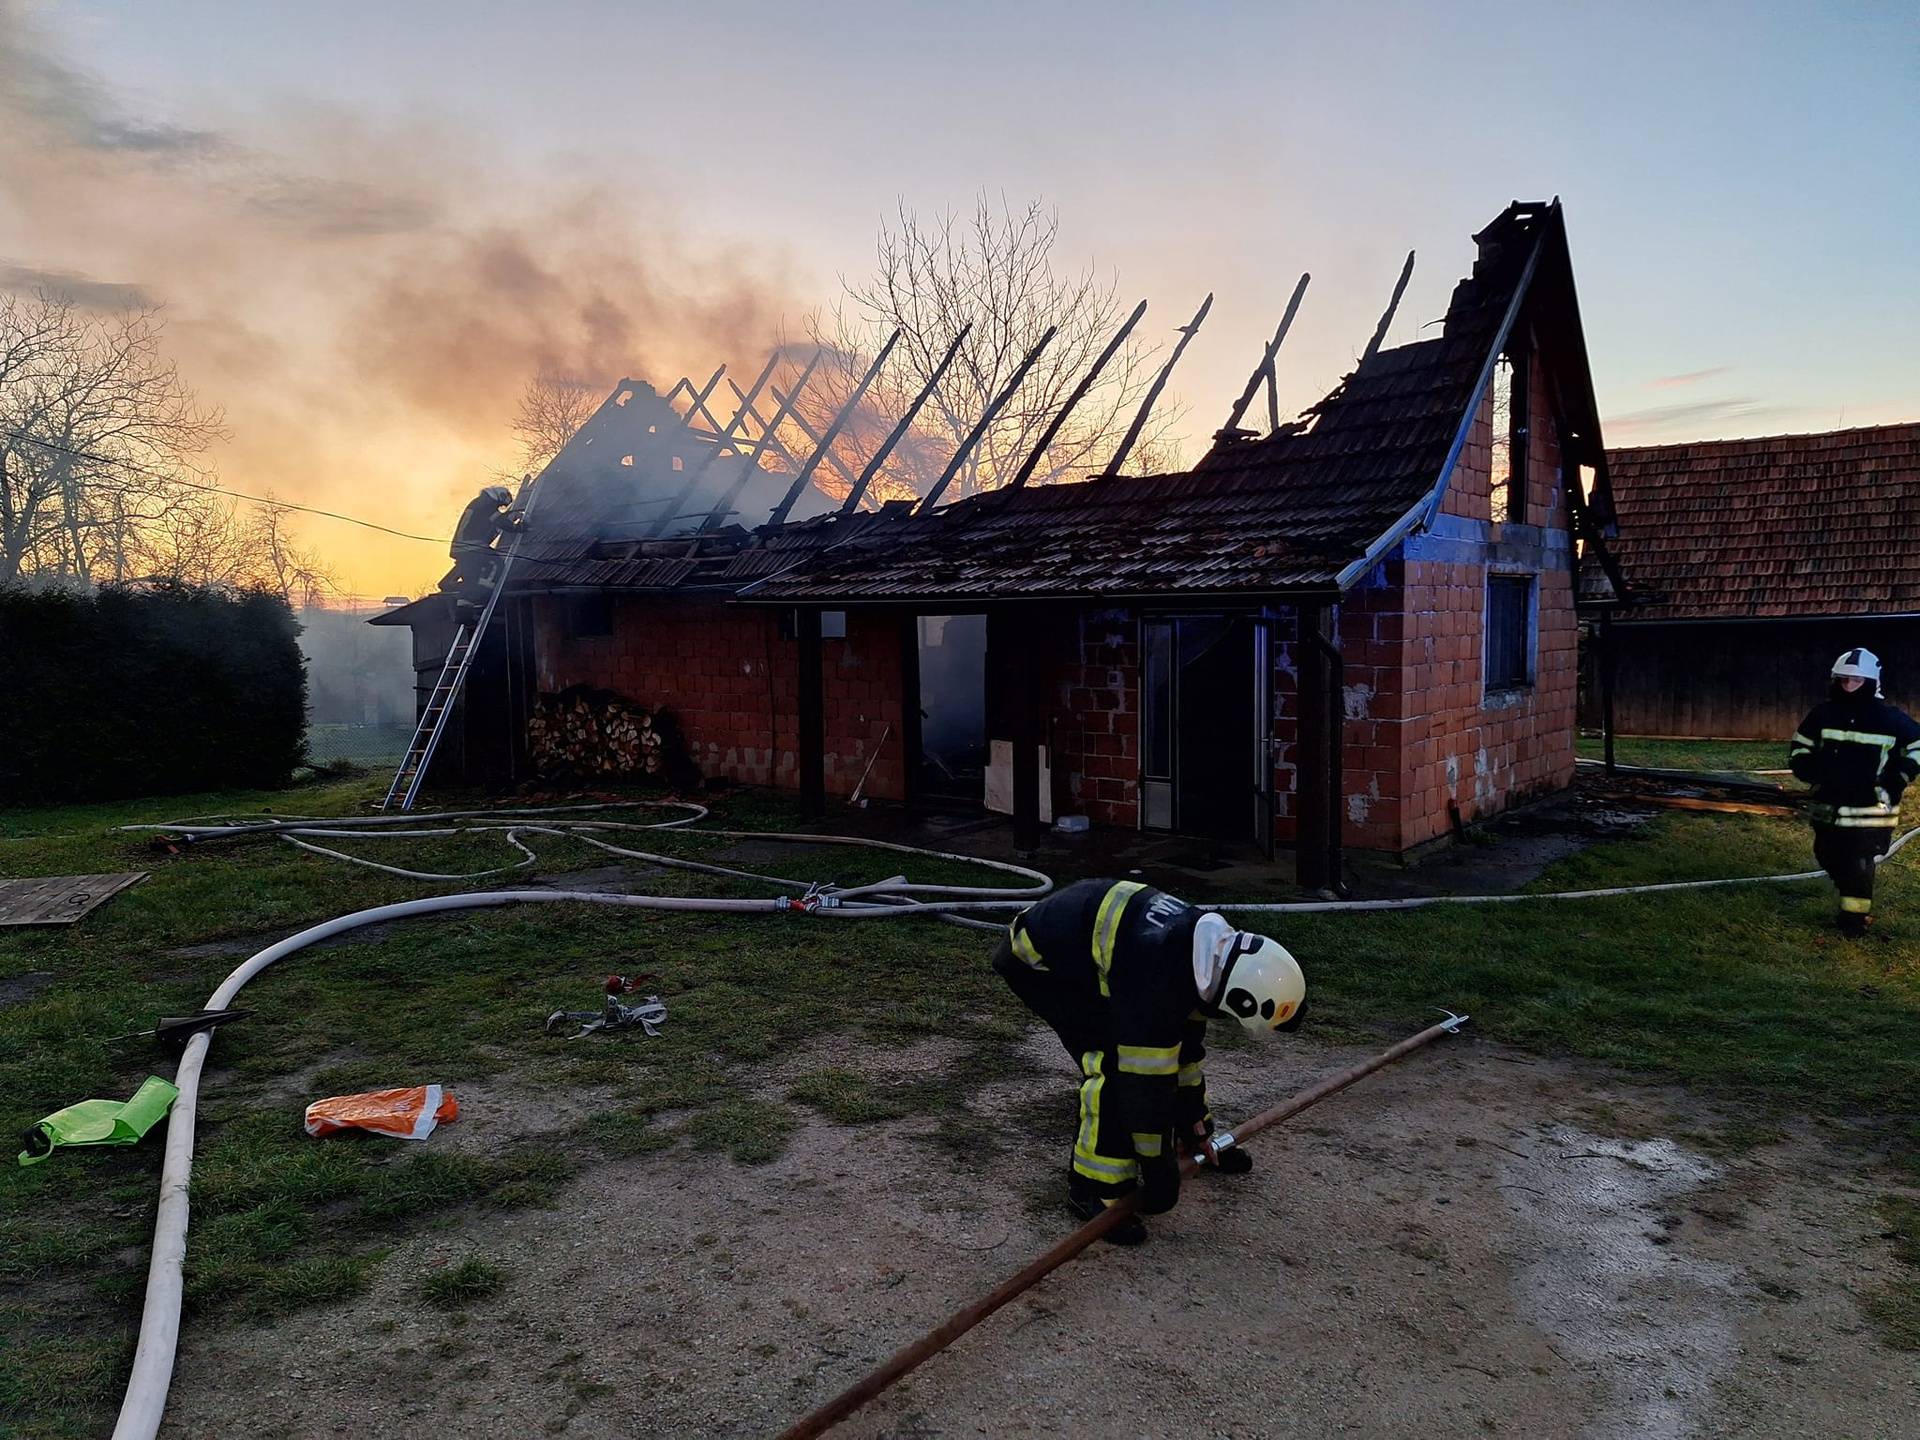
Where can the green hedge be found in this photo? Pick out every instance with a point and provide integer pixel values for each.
(148, 691)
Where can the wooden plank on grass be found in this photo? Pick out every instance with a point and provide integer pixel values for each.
(58, 899)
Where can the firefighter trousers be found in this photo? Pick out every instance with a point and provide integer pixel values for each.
(1847, 853)
(1103, 1149)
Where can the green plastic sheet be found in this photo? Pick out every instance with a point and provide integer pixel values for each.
(102, 1122)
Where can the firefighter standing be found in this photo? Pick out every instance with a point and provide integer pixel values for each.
(1127, 977)
(1859, 754)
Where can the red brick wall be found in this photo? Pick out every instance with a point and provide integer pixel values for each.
(733, 683)
(1094, 727)
(1423, 734)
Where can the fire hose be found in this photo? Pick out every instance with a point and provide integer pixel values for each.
(147, 1386)
(956, 1325)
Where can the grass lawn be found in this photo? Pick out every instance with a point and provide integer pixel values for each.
(1706, 756)
(1744, 992)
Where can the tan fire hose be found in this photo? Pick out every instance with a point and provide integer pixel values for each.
(943, 1335)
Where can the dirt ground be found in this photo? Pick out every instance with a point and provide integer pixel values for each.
(1474, 1242)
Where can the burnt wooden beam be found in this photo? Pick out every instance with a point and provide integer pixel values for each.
(899, 431)
(1079, 394)
(1380, 330)
(696, 399)
(805, 427)
(699, 467)
(825, 445)
(994, 407)
(1132, 437)
(768, 440)
(812, 706)
(1267, 356)
(1028, 734)
(1310, 790)
(912, 740)
(749, 463)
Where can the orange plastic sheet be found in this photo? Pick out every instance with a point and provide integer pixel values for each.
(406, 1114)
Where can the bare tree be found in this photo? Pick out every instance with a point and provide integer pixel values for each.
(96, 429)
(275, 562)
(551, 409)
(994, 270)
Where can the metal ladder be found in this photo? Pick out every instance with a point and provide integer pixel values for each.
(453, 674)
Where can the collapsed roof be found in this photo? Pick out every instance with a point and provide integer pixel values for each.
(1307, 509)
(642, 500)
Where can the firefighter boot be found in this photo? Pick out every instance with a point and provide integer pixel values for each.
(1087, 1202)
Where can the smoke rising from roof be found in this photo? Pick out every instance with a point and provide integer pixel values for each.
(364, 300)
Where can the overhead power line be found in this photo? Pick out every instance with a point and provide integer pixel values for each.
(218, 490)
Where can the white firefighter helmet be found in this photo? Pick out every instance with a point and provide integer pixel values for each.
(1260, 984)
(1858, 665)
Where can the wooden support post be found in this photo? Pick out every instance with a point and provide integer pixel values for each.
(1606, 685)
(1336, 756)
(1310, 775)
(813, 717)
(1027, 731)
(910, 736)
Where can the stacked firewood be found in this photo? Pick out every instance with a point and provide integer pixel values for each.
(584, 732)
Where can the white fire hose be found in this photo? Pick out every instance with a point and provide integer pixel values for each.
(152, 1375)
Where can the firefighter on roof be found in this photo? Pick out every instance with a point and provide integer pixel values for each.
(1859, 754)
(476, 564)
(1128, 977)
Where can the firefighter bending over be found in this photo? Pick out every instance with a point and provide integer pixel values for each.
(1128, 977)
(476, 564)
(1859, 754)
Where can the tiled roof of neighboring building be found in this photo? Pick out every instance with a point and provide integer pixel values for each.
(1786, 525)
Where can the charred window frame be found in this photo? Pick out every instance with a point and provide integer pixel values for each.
(590, 617)
(1511, 425)
(1509, 633)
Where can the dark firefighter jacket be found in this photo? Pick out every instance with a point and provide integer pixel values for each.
(1858, 753)
(1126, 950)
(479, 523)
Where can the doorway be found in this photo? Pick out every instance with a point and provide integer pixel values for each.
(953, 706)
(1205, 692)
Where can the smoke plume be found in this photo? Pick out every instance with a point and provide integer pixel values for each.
(364, 301)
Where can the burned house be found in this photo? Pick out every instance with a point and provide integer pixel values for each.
(1757, 562)
(1356, 629)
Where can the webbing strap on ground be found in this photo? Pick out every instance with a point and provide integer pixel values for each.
(943, 1335)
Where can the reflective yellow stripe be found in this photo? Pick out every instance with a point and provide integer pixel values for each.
(1191, 1075)
(1147, 1145)
(1023, 946)
(1087, 1159)
(1149, 1059)
(1854, 905)
(1096, 1168)
(1799, 742)
(1860, 737)
(1106, 926)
